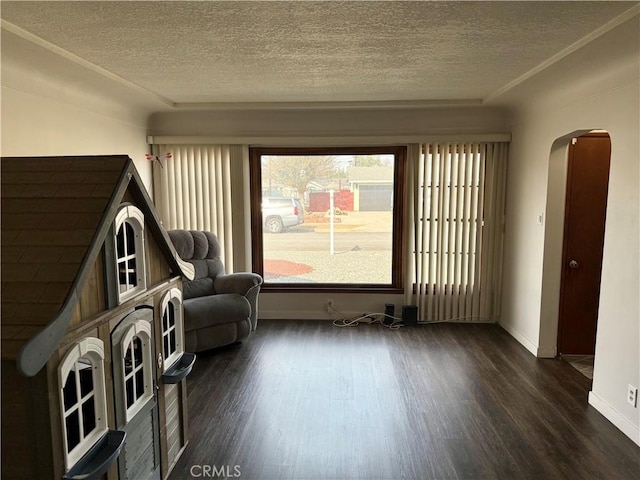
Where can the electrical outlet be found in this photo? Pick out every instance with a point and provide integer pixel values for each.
(632, 395)
(330, 308)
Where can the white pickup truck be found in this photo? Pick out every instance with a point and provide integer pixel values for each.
(281, 213)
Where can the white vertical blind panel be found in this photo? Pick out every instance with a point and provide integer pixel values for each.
(474, 165)
(206, 192)
(190, 206)
(444, 227)
(213, 193)
(193, 191)
(197, 213)
(429, 254)
(478, 220)
(228, 224)
(462, 257)
(456, 210)
(463, 241)
(486, 291)
(492, 261)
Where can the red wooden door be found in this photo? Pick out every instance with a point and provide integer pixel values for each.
(586, 202)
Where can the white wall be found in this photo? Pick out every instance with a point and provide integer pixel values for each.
(290, 124)
(54, 106)
(596, 87)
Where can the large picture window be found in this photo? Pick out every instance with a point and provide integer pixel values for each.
(328, 218)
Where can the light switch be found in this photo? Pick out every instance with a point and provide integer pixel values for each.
(540, 219)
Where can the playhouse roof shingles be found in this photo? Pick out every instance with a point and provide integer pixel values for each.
(51, 211)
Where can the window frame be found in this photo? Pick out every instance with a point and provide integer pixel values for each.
(133, 216)
(173, 297)
(92, 349)
(141, 329)
(398, 243)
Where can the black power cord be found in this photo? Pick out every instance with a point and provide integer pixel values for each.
(369, 319)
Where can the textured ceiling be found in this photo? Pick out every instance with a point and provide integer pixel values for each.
(302, 51)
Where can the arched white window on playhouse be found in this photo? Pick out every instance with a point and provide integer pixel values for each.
(129, 247)
(82, 398)
(172, 331)
(137, 363)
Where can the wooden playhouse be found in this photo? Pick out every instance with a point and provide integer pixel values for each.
(93, 367)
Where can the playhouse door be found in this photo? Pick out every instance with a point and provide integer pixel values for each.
(135, 395)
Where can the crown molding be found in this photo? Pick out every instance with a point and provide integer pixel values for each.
(30, 37)
(356, 105)
(607, 27)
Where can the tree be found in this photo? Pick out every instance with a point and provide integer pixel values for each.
(297, 171)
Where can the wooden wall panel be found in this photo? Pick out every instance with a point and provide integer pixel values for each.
(15, 419)
(55, 413)
(92, 298)
(76, 318)
(175, 438)
(138, 449)
(173, 423)
(158, 268)
(128, 197)
(26, 437)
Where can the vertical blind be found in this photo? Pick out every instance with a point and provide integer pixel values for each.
(192, 190)
(456, 216)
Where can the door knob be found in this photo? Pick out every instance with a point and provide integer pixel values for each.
(573, 264)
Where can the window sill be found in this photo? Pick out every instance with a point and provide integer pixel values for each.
(133, 410)
(180, 369)
(328, 288)
(127, 295)
(99, 458)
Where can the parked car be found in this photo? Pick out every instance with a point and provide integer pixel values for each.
(281, 213)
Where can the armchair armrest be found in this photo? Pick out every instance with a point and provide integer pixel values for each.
(240, 283)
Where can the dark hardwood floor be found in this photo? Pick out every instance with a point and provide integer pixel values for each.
(307, 400)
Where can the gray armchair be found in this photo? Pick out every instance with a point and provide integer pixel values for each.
(219, 308)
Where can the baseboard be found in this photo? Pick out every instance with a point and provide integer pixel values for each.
(547, 352)
(318, 315)
(301, 315)
(622, 423)
(521, 338)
